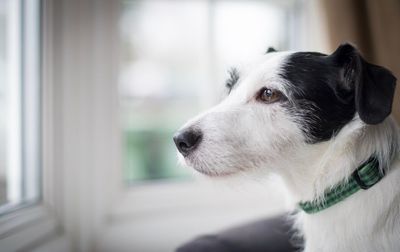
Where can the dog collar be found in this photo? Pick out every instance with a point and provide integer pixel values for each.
(364, 177)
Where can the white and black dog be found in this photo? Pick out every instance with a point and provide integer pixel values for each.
(316, 120)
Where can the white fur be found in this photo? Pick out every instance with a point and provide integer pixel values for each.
(244, 136)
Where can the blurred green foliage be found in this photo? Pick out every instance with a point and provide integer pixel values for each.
(150, 155)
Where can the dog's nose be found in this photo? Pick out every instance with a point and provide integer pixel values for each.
(187, 140)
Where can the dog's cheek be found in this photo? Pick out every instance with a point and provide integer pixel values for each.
(248, 137)
(280, 133)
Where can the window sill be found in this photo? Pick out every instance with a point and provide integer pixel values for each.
(173, 197)
(177, 211)
(26, 227)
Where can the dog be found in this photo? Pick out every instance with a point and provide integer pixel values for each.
(316, 121)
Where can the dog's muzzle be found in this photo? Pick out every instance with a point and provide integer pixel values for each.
(187, 140)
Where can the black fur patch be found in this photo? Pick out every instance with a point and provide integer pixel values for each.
(318, 98)
(270, 49)
(232, 79)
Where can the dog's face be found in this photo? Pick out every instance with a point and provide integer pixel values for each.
(280, 104)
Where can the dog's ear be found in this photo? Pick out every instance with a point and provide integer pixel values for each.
(270, 49)
(373, 85)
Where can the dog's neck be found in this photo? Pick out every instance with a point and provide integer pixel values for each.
(321, 166)
(346, 225)
(366, 221)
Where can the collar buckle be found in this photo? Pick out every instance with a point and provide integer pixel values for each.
(358, 178)
(359, 181)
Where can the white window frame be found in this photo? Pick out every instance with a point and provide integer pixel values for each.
(13, 118)
(79, 144)
(23, 223)
(23, 117)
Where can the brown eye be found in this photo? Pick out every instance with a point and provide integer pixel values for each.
(268, 95)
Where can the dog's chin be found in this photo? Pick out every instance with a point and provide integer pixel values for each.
(213, 174)
(205, 171)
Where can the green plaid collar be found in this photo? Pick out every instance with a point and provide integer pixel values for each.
(364, 177)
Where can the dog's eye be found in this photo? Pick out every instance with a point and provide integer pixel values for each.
(268, 95)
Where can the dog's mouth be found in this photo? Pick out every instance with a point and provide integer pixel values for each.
(200, 167)
(214, 174)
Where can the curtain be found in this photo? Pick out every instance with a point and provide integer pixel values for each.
(373, 26)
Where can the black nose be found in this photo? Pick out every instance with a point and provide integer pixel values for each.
(187, 140)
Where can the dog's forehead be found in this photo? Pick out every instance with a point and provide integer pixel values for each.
(266, 65)
(263, 71)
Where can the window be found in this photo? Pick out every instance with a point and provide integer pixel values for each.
(19, 103)
(175, 55)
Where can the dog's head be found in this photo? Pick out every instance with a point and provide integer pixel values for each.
(282, 103)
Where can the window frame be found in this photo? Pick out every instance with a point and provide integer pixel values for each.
(24, 224)
(24, 117)
(80, 145)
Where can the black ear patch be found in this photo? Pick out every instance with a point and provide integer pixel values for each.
(325, 91)
(373, 85)
(374, 93)
(270, 49)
